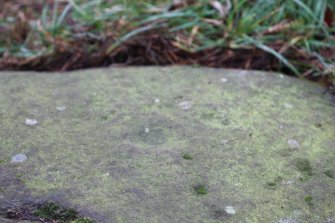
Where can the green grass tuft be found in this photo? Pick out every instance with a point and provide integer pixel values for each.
(187, 156)
(53, 212)
(2, 162)
(200, 190)
(304, 166)
(309, 200)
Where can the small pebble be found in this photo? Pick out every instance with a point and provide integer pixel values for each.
(157, 100)
(293, 143)
(105, 174)
(230, 210)
(287, 182)
(61, 108)
(31, 122)
(224, 80)
(146, 130)
(185, 105)
(287, 105)
(19, 158)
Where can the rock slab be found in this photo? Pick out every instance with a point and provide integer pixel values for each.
(172, 144)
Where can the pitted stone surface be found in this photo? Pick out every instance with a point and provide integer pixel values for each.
(260, 143)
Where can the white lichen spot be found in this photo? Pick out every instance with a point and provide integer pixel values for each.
(105, 174)
(157, 100)
(61, 108)
(230, 210)
(288, 105)
(293, 143)
(185, 105)
(288, 182)
(19, 158)
(281, 75)
(31, 121)
(224, 80)
(146, 130)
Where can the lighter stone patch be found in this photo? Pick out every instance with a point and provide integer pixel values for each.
(146, 130)
(157, 100)
(224, 80)
(230, 210)
(105, 174)
(61, 108)
(293, 143)
(287, 221)
(287, 182)
(244, 73)
(185, 105)
(164, 69)
(19, 158)
(225, 141)
(31, 122)
(288, 105)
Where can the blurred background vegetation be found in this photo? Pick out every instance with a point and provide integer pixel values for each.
(291, 36)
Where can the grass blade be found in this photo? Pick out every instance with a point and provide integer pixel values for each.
(280, 57)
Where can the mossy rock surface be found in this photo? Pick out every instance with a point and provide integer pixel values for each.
(109, 143)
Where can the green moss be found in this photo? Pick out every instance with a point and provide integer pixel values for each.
(208, 115)
(309, 200)
(19, 177)
(179, 97)
(2, 189)
(47, 212)
(286, 152)
(82, 220)
(329, 173)
(187, 156)
(200, 190)
(273, 184)
(2, 162)
(52, 211)
(104, 118)
(304, 166)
